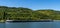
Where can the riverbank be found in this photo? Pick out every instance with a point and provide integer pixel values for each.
(2, 21)
(56, 20)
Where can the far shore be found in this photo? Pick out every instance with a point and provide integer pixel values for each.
(2, 21)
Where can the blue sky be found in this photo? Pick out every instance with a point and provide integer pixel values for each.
(32, 4)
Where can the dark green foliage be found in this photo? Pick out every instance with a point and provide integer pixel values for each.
(20, 13)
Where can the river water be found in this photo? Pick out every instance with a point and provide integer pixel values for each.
(2, 25)
(55, 24)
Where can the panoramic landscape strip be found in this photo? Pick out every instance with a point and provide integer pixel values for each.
(27, 14)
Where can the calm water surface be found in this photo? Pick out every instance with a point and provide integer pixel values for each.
(2, 25)
(55, 24)
(30, 25)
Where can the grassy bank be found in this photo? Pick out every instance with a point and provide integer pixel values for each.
(2, 21)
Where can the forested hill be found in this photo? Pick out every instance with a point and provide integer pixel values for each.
(20, 13)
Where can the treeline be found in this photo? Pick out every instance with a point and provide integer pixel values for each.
(20, 13)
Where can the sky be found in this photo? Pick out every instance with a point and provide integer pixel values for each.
(32, 4)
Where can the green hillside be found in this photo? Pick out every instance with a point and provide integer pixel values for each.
(20, 13)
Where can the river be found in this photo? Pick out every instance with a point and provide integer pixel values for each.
(2, 25)
(55, 24)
